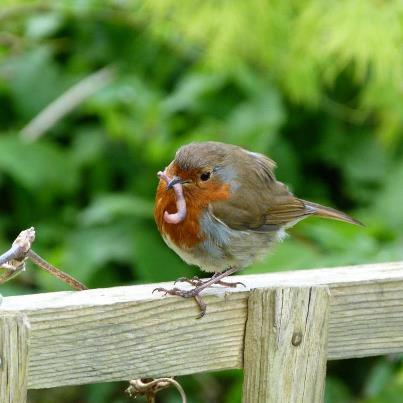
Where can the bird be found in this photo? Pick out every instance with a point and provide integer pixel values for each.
(221, 208)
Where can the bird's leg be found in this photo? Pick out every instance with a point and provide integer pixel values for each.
(197, 282)
(194, 281)
(195, 292)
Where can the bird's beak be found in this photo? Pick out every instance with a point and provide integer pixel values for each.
(174, 181)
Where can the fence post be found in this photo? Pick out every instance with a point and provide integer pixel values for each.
(286, 345)
(14, 346)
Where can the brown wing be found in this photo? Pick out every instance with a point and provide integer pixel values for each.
(259, 202)
(285, 207)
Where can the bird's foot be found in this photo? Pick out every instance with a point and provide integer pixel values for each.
(194, 281)
(197, 282)
(193, 293)
(200, 285)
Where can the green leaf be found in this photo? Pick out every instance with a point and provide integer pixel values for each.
(155, 261)
(336, 391)
(43, 25)
(255, 123)
(190, 92)
(39, 166)
(387, 201)
(35, 81)
(379, 376)
(89, 249)
(288, 255)
(107, 208)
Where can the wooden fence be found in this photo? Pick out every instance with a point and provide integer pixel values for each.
(281, 330)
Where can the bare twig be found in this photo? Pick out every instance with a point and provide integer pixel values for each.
(54, 271)
(13, 253)
(8, 275)
(63, 105)
(19, 249)
(150, 387)
(13, 260)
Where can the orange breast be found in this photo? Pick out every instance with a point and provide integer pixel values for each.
(187, 233)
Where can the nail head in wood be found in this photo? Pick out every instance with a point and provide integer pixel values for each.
(296, 339)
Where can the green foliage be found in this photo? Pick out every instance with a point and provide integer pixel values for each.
(305, 46)
(317, 87)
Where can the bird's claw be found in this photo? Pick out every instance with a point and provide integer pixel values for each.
(195, 293)
(197, 282)
(229, 285)
(234, 285)
(165, 291)
(194, 281)
(180, 280)
(199, 285)
(158, 289)
(202, 306)
(177, 291)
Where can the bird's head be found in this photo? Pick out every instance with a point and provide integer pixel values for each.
(204, 172)
(202, 169)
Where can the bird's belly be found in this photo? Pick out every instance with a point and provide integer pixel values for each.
(223, 247)
(189, 255)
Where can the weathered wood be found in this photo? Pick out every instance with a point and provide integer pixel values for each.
(286, 345)
(14, 346)
(126, 332)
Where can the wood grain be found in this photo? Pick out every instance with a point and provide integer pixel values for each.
(14, 346)
(286, 345)
(122, 333)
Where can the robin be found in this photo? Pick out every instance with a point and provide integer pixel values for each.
(220, 207)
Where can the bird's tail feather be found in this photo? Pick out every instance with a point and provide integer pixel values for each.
(328, 212)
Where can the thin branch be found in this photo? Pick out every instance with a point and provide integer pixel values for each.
(140, 387)
(67, 102)
(8, 275)
(19, 249)
(14, 260)
(13, 253)
(61, 275)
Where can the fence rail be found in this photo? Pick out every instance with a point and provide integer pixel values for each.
(280, 320)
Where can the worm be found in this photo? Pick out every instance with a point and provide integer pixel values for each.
(180, 215)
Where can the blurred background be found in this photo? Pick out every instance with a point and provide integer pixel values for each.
(96, 96)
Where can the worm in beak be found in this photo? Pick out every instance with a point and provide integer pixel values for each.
(175, 183)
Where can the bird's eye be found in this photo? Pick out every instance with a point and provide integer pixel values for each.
(205, 176)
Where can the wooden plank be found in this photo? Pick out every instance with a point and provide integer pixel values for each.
(286, 345)
(14, 345)
(126, 332)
